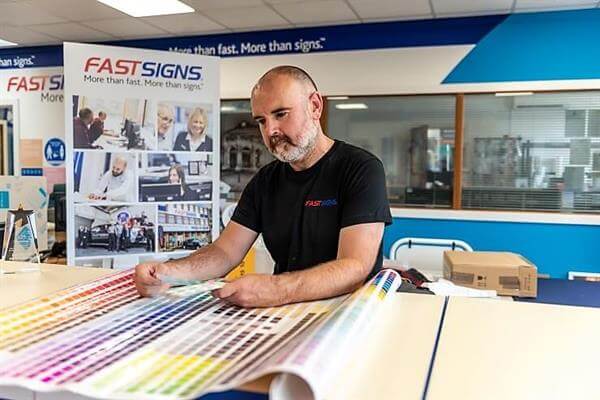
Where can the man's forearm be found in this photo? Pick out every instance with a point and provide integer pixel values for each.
(206, 263)
(330, 279)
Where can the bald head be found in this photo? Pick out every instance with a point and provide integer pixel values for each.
(119, 166)
(296, 74)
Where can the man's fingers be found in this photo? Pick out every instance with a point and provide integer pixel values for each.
(226, 291)
(152, 291)
(146, 283)
(145, 274)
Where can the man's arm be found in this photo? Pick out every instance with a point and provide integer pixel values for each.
(212, 261)
(357, 252)
(98, 194)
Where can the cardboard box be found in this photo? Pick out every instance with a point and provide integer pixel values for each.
(508, 273)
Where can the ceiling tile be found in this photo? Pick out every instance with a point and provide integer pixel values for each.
(22, 36)
(470, 7)
(200, 5)
(390, 9)
(125, 27)
(528, 5)
(316, 11)
(247, 17)
(78, 10)
(71, 31)
(24, 13)
(185, 23)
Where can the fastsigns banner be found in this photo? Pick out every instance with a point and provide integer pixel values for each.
(142, 136)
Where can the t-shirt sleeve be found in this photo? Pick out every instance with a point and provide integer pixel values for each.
(365, 198)
(247, 211)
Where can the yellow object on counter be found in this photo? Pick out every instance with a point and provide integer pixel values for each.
(247, 266)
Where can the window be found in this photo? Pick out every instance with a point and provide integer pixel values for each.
(412, 135)
(242, 150)
(532, 152)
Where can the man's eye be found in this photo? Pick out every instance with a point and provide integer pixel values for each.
(260, 121)
(281, 114)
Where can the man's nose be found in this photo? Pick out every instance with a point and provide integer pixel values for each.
(272, 128)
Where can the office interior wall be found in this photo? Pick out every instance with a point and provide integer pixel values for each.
(39, 94)
(413, 70)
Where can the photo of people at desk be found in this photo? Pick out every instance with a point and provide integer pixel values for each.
(104, 177)
(183, 127)
(114, 230)
(125, 124)
(175, 177)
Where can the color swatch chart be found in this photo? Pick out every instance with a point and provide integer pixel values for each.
(102, 340)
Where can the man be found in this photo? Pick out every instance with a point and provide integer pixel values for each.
(124, 239)
(321, 207)
(80, 236)
(164, 127)
(116, 184)
(118, 234)
(87, 236)
(81, 123)
(112, 238)
(97, 127)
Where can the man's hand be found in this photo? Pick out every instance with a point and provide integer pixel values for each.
(94, 196)
(256, 290)
(146, 279)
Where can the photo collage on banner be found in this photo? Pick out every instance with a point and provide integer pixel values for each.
(143, 148)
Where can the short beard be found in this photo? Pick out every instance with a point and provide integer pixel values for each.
(294, 153)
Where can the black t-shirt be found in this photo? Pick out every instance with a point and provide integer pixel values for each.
(301, 213)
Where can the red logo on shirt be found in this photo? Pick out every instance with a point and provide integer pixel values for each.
(320, 203)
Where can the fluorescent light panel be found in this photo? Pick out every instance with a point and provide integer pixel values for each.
(6, 43)
(338, 98)
(503, 94)
(147, 8)
(228, 108)
(351, 106)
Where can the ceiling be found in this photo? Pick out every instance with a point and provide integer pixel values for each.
(42, 22)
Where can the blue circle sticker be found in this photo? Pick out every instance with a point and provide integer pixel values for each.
(55, 151)
(123, 217)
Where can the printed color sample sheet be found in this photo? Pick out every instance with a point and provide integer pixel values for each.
(101, 340)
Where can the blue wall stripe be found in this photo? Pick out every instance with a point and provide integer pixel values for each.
(554, 248)
(374, 35)
(535, 46)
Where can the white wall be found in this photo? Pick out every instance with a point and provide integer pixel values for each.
(411, 70)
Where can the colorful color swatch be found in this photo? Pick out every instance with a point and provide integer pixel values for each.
(102, 340)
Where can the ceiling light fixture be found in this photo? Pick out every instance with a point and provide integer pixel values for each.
(351, 106)
(503, 94)
(338, 98)
(6, 43)
(147, 8)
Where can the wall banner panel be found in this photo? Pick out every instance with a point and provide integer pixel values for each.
(142, 137)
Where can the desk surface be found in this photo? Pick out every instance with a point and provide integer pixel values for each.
(567, 292)
(20, 287)
(508, 350)
(396, 360)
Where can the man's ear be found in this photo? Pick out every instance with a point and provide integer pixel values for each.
(316, 105)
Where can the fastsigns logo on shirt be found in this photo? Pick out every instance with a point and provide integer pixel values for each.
(320, 203)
